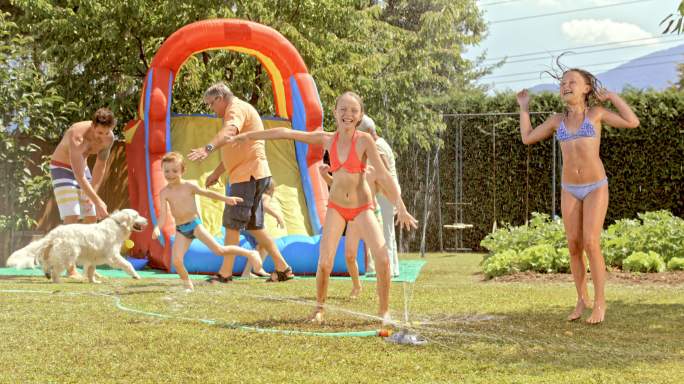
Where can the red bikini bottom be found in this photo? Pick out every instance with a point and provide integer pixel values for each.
(348, 214)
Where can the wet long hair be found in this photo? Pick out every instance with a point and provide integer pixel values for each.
(559, 70)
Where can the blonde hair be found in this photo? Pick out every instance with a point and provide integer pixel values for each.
(219, 90)
(355, 97)
(174, 157)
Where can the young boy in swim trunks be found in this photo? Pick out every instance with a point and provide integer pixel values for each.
(178, 195)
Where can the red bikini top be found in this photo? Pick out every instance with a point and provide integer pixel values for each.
(352, 164)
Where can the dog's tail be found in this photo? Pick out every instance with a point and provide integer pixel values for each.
(31, 255)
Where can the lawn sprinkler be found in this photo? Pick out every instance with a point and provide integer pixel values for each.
(405, 337)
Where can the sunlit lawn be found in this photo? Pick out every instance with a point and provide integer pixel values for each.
(479, 332)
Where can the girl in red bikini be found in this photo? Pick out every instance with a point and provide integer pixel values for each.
(584, 194)
(350, 195)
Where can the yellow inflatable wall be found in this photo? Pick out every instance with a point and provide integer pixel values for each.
(188, 132)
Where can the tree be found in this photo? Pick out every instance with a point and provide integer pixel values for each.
(31, 111)
(680, 84)
(672, 18)
(404, 57)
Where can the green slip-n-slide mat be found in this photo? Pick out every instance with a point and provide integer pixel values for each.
(408, 272)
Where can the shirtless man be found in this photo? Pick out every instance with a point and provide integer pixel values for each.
(74, 187)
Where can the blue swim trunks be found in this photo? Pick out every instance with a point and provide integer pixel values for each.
(188, 228)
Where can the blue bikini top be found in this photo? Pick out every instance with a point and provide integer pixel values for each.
(585, 130)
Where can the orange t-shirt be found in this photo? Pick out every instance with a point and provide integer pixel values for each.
(247, 159)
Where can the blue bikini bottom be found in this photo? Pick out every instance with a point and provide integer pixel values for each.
(580, 191)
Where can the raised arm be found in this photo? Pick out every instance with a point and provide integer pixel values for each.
(541, 132)
(77, 150)
(625, 118)
(387, 183)
(316, 138)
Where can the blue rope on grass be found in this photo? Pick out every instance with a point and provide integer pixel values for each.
(231, 325)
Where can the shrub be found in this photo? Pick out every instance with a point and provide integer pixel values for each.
(676, 264)
(541, 246)
(658, 231)
(561, 263)
(540, 230)
(502, 263)
(538, 258)
(644, 262)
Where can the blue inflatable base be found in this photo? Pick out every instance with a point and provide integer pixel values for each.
(301, 253)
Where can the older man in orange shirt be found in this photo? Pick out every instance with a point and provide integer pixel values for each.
(249, 176)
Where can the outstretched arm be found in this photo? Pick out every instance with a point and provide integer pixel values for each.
(543, 131)
(625, 118)
(230, 200)
(316, 138)
(233, 120)
(387, 183)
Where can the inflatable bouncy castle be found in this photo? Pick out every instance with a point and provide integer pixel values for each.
(301, 194)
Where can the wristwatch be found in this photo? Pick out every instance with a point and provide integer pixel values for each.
(209, 148)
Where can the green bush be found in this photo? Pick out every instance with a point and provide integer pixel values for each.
(502, 263)
(561, 263)
(644, 262)
(538, 258)
(541, 246)
(657, 231)
(540, 230)
(676, 264)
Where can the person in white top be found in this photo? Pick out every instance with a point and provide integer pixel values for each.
(388, 211)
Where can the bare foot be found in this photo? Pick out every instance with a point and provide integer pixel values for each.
(187, 284)
(355, 292)
(317, 316)
(387, 320)
(261, 273)
(582, 304)
(598, 314)
(75, 275)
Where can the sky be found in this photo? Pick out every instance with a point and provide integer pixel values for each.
(606, 25)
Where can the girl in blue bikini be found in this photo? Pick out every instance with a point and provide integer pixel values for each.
(584, 195)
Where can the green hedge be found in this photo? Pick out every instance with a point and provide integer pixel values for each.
(506, 181)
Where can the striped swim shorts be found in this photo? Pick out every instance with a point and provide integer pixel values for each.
(71, 200)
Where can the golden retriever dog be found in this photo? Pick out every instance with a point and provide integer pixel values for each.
(88, 245)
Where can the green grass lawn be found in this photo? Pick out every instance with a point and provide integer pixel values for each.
(478, 332)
